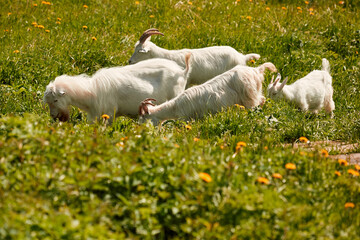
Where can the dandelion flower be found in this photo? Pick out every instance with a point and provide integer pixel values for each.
(84, 27)
(349, 205)
(57, 22)
(151, 16)
(41, 26)
(188, 127)
(137, 2)
(343, 162)
(94, 38)
(277, 175)
(240, 106)
(85, 6)
(304, 140)
(357, 167)
(337, 173)
(249, 18)
(196, 139)
(267, 8)
(306, 2)
(263, 180)
(341, 2)
(35, 5)
(241, 144)
(252, 60)
(205, 176)
(283, 8)
(298, 8)
(16, 51)
(46, 3)
(105, 116)
(353, 172)
(324, 153)
(266, 148)
(9, 13)
(290, 166)
(47, 30)
(34, 24)
(190, 3)
(176, 145)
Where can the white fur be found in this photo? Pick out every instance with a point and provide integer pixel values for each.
(312, 92)
(206, 62)
(116, 90)
(240, 85)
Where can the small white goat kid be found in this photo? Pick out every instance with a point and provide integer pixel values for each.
(312, 92)
(240, 85)
(116, 90)
(206, 63)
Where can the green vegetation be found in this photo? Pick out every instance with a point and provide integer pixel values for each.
(125, 180)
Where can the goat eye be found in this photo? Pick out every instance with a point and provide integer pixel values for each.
(55, 100)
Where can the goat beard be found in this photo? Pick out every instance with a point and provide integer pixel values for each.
(63, 116)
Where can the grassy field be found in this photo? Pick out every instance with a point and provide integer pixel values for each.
(226, 176)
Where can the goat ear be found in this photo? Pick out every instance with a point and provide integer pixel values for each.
(62, 92)
(283, 84)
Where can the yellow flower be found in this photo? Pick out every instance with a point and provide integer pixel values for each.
(277, 175)
(46, 3)
(290, 166)
(188, 127)
(47, 30)
(35, 5)
(311, 9)
(16, 51)
(196, 139)
(353, 172)
(249, 18)
(283, 8)
(341, 2)
(59, 19)
(300, 11)
(41, 26)
(266, 148)
(240, 106)
(105, 116)
(205, 176)
(222, 147)
(94, 38)
(85, 6)
(190, 3)
(241, 144)
(176, 145)
(311, 13)
(34, 24)
(263, 180)
(343, 162)
(349, 205)
(306, 2)
(9, 13)
(298, 8)
(137, 2)
(57, 22)
(267, 8)
(324, 153)
(304, 140)
(151, 16)
(84, 27)
(357, 167)
(337, 173)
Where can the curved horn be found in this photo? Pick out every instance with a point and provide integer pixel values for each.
(148, 33)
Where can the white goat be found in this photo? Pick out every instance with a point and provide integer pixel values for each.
(116, 90)
(206, 62)
(312, 92)
(240, 85)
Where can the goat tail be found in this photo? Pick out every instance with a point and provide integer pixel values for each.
(325, 65)
(252, 56)
(187, 64)
(267, 65)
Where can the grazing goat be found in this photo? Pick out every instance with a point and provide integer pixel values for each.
(312, 92)
(206, 62)
(240, 85)
(116, 90)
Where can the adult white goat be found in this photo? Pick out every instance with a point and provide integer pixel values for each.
(116, 90)
(206, 62)
(240, 85)
(312, 92)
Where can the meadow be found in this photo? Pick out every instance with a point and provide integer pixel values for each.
(231, 175)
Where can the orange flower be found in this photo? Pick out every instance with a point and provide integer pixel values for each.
(249, 18)
(298, 8)
(190, 3)
(84, 27)
(35, 5)
(343, 162)
(34, 24)
(337, 173)
(263, 180)
(176, 145)
(283, 8)
(196, 139)
(137, 2)
(353, 172)
(16, 51)
(205, 176)
(41, 26)
(324, 153)
(59, 19)
(105, 116)
(240, 145)
(85, 6)
(304, 140)
(290, 166)
(47, 30)
(94, 38)
(188, 127)
(349, 205)
(57, 22)
(277, 175)
(306, 2)
(151, 16)
(267, 8)
(341, 2)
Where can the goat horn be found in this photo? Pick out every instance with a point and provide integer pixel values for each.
(272, 80)
(148, 33)
(143, 108)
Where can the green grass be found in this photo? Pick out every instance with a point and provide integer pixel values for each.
(125, 180)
